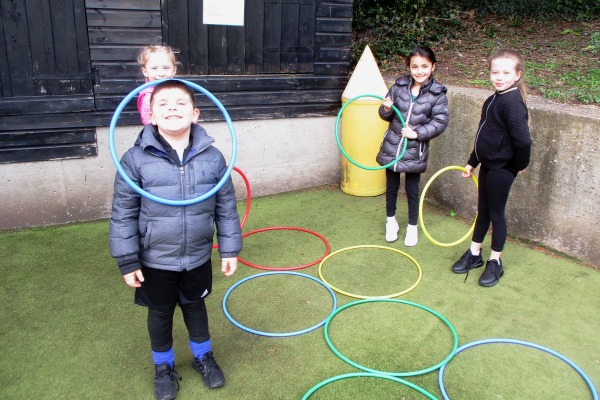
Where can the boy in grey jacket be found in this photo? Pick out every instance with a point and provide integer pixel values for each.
(164, 251)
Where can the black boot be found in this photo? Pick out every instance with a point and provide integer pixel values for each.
(467, 262)
(492, 274)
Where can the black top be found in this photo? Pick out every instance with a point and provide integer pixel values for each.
(503, 139)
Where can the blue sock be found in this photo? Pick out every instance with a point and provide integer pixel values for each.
(161, 357)
(199, 349)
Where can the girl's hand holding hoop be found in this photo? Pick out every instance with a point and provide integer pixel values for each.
(409, 133)
(387, 104)
(468, 172)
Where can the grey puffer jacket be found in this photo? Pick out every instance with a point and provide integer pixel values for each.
(427, 116)
(174, 238)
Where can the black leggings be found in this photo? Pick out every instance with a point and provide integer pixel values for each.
(411, 186)
(160, 325)
(494, 186)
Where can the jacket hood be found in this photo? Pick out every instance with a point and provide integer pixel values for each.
(431, 85)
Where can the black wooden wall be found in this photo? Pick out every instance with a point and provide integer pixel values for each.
(44, 71)
(290, 59)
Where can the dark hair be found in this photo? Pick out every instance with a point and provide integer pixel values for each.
(422, 51)
(519, 66)
(173, 84)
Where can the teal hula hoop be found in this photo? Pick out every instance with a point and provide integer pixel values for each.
(339, 143)
(409, 373)
(368, 375)
(132, 184)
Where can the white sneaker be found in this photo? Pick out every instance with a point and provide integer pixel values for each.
(391, 229)
(412, 236)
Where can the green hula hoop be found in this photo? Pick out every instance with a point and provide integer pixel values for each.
(339, 143)
(374, 371)
(422, 200)
(368, 375)
(358, 296)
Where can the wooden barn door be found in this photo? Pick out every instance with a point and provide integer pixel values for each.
(278, 37)
(45, 77)
(44, 57)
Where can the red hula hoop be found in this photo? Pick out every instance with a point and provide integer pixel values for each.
(286, 228)
(248, 200)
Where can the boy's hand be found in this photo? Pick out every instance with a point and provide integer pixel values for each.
(229, 265)
(134, 279)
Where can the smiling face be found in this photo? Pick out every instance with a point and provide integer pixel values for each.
(173, 111)
(503, 73)
(159, 66)
(421, 69)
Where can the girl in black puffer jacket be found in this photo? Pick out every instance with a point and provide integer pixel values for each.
(424, 107)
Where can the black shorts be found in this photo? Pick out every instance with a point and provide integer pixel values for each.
(165, 289)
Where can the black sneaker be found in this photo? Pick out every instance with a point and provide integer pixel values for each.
(209, 369)
(166, 382)
(492, 274)
(467, 262)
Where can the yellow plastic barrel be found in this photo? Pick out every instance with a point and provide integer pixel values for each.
(361, 133)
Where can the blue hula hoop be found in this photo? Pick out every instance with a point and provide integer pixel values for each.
(368, 375)
(275, 334)
(132, 184)
(522, 343)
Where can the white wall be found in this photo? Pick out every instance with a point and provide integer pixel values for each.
(276, 155)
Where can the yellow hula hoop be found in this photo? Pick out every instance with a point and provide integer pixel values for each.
(422, 200)
(358, 296)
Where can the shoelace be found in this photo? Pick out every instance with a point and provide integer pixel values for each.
(465, 281)
(470, 268)
(210, 360)
(170, 373)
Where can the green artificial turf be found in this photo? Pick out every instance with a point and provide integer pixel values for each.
(69, 328)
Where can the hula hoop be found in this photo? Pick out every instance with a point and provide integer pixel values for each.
(358, 296)
(409, 373)
(368, 375)
(248, 200)
(587, 380)
(422, 200)
(132, 184)
(286, 228)
(339, 143)
(275, 334)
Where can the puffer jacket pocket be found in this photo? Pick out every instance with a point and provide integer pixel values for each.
(147, 238)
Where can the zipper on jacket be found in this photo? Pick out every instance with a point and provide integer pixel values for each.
(402, 137)
(183, 215)
(482, 124)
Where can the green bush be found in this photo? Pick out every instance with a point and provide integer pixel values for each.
(392, 28)
(539, 9)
